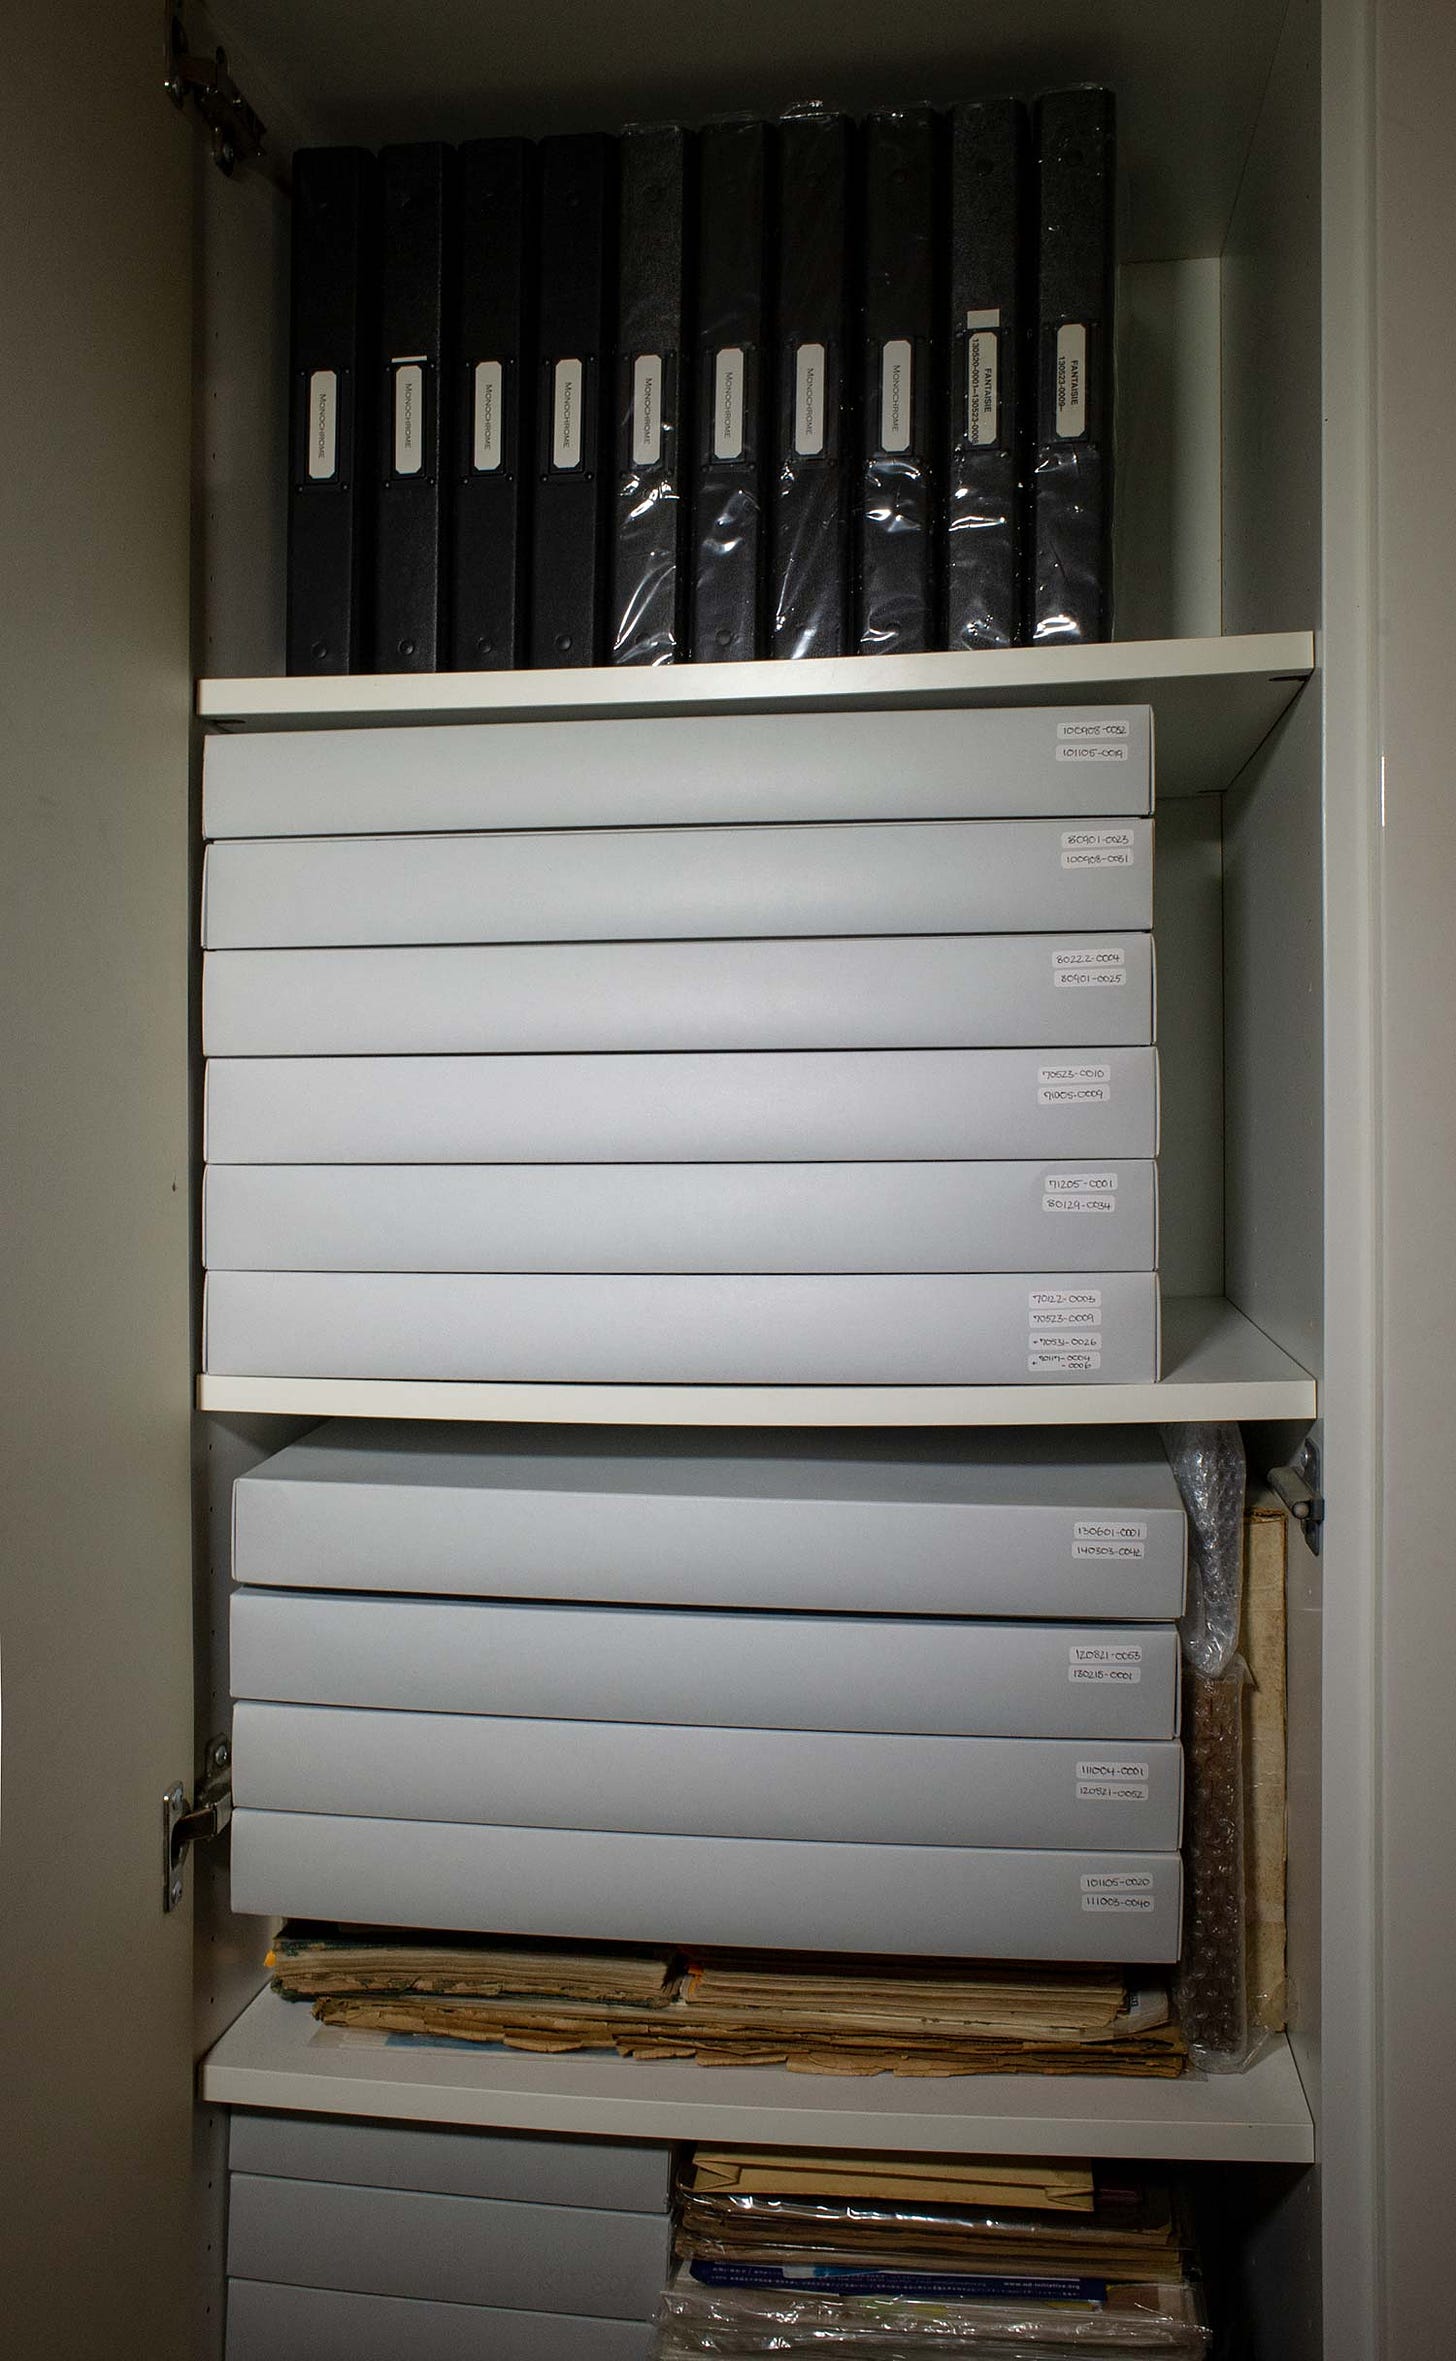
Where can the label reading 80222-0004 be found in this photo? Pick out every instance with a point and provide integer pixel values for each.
(1073, 1086)
(1118, 1889)
(1084, 970)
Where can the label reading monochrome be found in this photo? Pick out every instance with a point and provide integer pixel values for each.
(1072, 380)
(566, 380)
(809, 401)
(896, 361)
(1097, 848)
(1073, 1086)
(1118, 1889)
(983, 406)
(728, 403)
(1080, 971)
(647, 410)
(487, 446)
(409, 417)
(1093, 741)
(1106, 1539)
(323, 424)
(1105, 1663)
(1101, 1780)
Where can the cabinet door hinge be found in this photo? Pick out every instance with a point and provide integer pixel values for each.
(235, 130)
(186, 1824)
(1298, 1486)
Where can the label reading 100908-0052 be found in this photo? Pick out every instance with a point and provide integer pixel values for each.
(1093, 741)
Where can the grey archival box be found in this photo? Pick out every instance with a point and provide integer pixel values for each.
(531, 2168)
(930, 1677)
(754, 1106)
(462, 2250)
(1007, 1521)
(266, 2322)
(1002, 762)
(644, 1777)
(572, 885)
(952, 1328)
(835, 992)
(922, 1900)
(681, 1217)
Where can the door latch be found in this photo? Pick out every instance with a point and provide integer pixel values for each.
(187, 1824)
(235, 131)
(1298, 1486)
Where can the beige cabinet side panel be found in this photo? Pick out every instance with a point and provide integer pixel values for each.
(95, 305)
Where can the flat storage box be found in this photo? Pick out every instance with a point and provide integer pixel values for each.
(927, 1677)
(1076, 1525)
(1073, 760)
(648, 1779)
(1046, 1327)
(527, 2168)
(681, 1217)
(762, 1106)
(919, 1900)
(267, 2322)
(614, 884)
(459, 2250)
(1068, 991)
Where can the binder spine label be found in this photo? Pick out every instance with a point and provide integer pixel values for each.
(323, 425)
(983, 379)
(897, 362)
(647, 410)
(728, 402)
(488, 436)
(409, 417)
(809, 375)
(1072, 381)
(566, 408)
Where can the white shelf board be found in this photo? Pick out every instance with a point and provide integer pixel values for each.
(1216, 1364)
(1215, 699)
(277, 2056)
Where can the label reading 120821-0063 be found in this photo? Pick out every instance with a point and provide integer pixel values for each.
(1073, 1086)
(1116, 1664)
(1080, 970)
(1118, 1889)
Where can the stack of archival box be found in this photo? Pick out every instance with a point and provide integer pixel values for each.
(842, 1693)
(364, 2241)
(788, 1049)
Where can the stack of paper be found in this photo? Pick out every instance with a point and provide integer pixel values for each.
(813, 2016)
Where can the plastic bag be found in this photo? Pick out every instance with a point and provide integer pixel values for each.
(1208, 1462)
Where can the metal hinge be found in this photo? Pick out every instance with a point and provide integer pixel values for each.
(1298, 1486)
(186, 1824)
(235, 130)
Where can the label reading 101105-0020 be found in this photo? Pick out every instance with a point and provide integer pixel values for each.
(1118, 1889)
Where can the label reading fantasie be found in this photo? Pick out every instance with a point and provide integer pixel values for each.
(1072, 380)
(983, 358)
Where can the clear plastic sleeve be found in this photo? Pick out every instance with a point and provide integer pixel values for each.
(1208, 1462)
(1142, 2318)
(1211, 1986)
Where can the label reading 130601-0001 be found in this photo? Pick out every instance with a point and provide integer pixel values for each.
(1108, 1539)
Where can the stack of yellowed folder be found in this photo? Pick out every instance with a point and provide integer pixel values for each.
(814, 2016)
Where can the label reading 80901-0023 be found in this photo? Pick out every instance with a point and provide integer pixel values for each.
(1098, 848)
(1103, 964)
(1118, 1889)
(1073, 1086)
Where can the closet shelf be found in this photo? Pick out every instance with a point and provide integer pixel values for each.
(1216, 1364)
(1216, 699)
(276, 2056)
